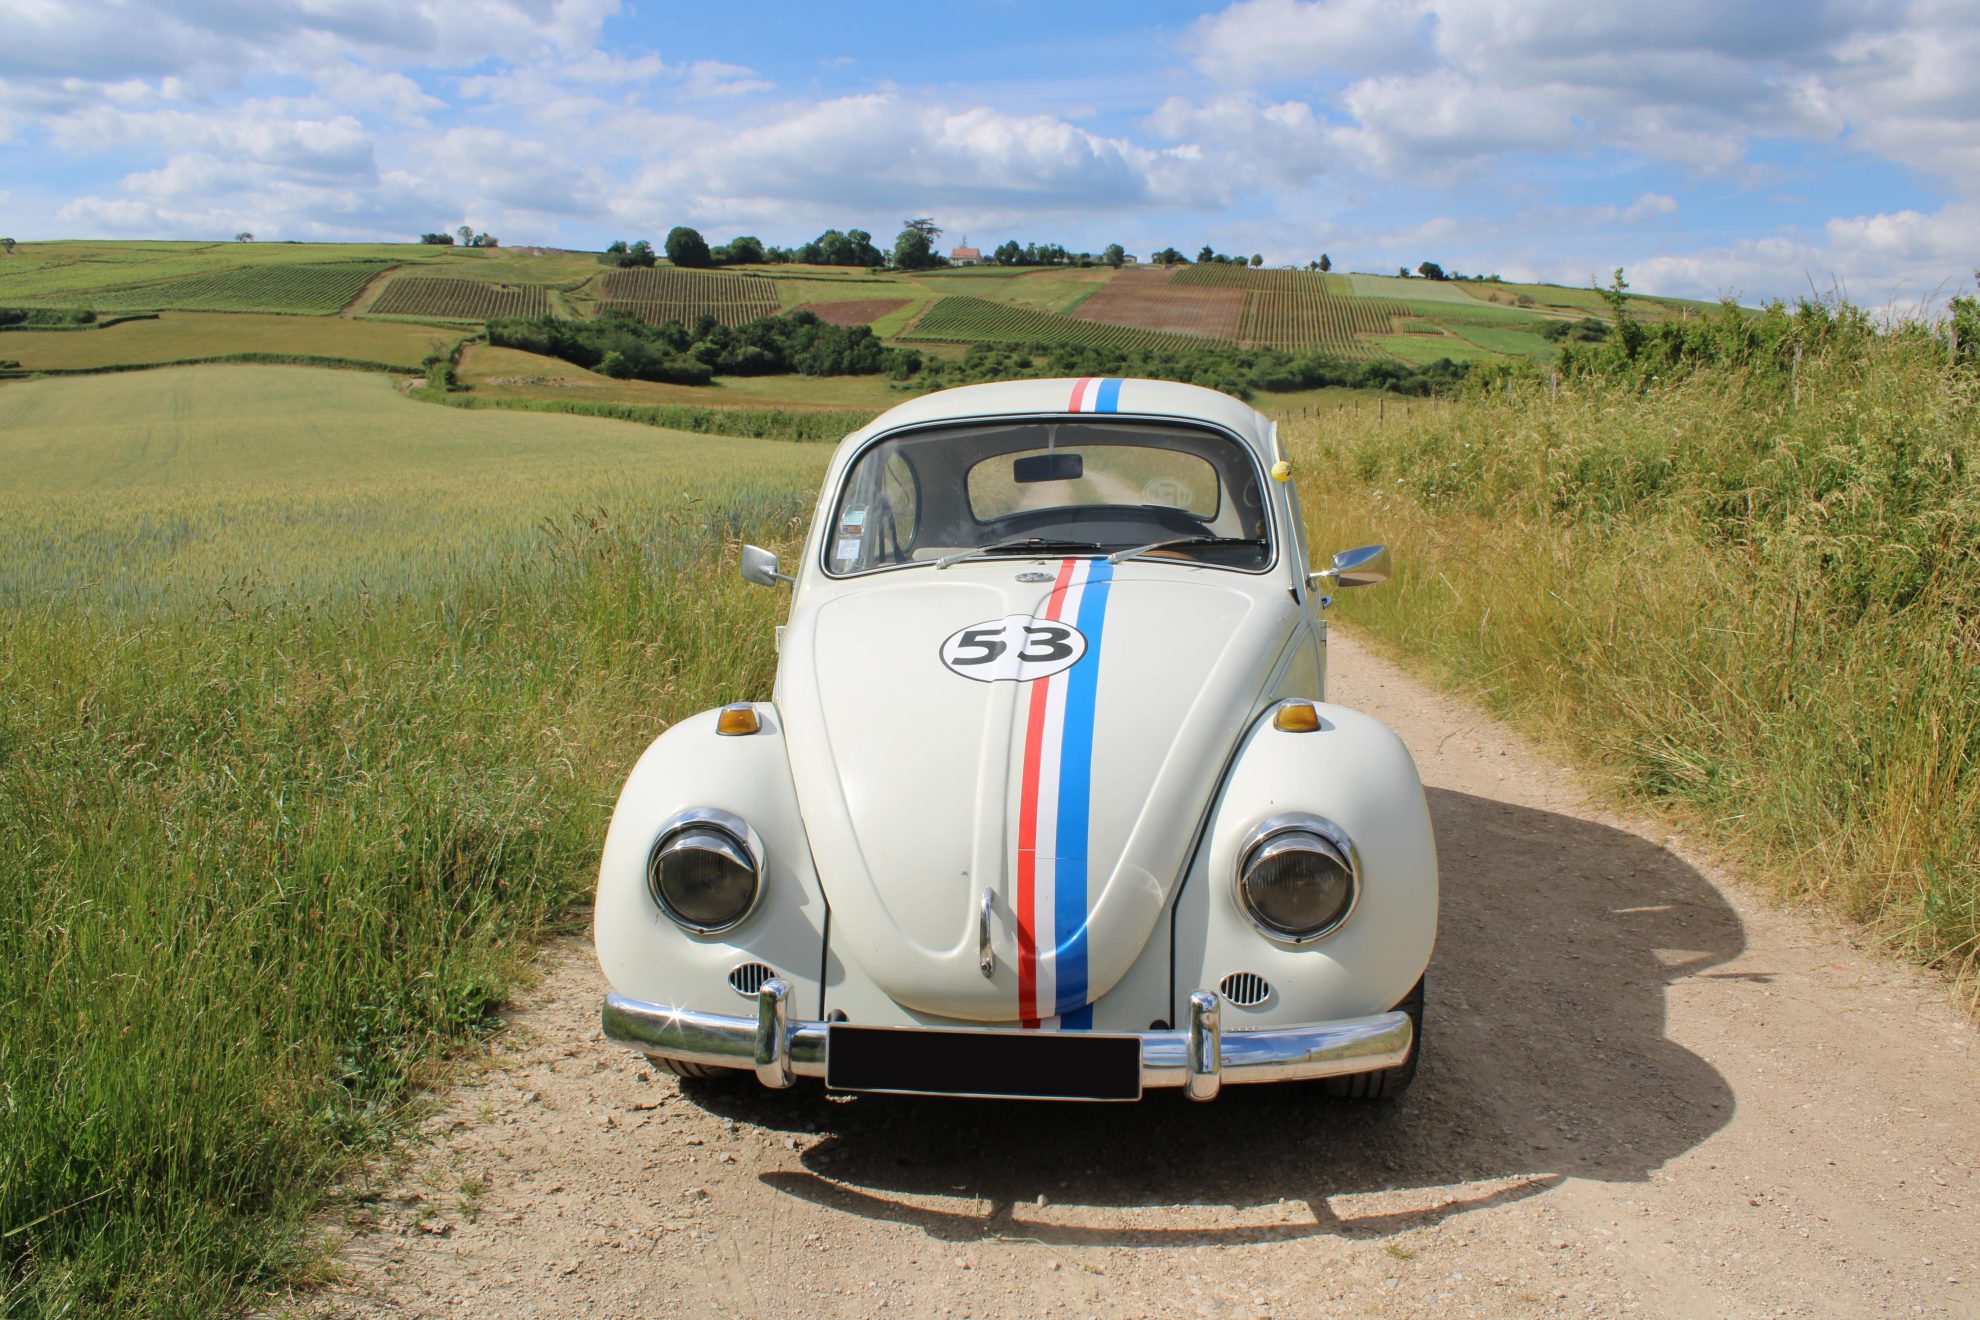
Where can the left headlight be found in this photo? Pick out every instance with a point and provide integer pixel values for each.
(1297, 877)
(706, 870)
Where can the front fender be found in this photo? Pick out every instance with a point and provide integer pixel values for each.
(1357, 774)
(647, 956)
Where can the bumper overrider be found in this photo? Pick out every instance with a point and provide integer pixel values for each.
(1201, 1059)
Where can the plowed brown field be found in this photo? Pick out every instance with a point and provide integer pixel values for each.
(1149, 300)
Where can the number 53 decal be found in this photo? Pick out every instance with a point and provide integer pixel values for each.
(1017, 647)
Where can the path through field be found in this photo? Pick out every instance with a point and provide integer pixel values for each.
(1643, 1091)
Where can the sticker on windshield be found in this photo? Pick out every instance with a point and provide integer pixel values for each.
(1017, 647)
(848, 550)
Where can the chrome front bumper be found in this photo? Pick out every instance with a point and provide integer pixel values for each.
(1201, 1060)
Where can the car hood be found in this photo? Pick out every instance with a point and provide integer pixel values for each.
(1072, 796)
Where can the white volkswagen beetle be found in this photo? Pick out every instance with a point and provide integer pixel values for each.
(1047, 801)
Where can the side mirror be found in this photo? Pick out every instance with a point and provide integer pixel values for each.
(1363, 566)
(760, 566)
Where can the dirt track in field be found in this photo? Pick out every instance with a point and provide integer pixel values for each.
(1643, 1091)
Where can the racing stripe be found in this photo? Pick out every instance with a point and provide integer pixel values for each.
(1029, 798)
(1071, 878)
(1079, 389)
(1108, 397)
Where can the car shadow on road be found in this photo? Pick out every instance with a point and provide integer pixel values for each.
(1546, 1058)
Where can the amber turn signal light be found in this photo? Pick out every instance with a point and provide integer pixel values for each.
(737, 720)
(1296, 717)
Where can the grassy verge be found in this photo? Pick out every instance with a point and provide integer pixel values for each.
(312, 705)
(1750, 595)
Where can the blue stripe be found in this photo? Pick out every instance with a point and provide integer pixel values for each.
(1108, 398)
(1075, 801)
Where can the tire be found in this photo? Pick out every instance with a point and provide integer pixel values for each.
(1388, 1083)
(697, 1072)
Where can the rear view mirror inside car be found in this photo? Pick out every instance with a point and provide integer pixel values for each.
(1047, 467)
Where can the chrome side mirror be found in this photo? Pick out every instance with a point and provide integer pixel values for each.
(760, 566)
(1363, 566)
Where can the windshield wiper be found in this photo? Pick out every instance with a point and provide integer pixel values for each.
(1139, 550)
(1017, 543)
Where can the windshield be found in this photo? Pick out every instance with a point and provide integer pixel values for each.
(1050, 487)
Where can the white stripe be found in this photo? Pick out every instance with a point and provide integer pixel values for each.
(1051, 749)
(1089, 393)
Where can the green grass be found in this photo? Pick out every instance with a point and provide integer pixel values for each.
(177, 336)
(312, 704)
(316, 289)
(1509, 340)
(966, 320)
(1421, 350)
(1749, 598)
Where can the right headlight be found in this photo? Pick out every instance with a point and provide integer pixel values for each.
(1297, 877)
(706, 870)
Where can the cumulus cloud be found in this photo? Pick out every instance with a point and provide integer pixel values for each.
(878, 151)
(1448, 84)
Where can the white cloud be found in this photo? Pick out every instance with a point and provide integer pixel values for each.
(1268, 40)
(1893, 260)
(707, 78)
(1444, 85)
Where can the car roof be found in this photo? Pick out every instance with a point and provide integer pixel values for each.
(1097, 397)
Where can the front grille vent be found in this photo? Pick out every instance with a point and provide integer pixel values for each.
(1245, 989)
(747, 978)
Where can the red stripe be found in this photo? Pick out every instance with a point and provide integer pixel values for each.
(1027, 876)
(1078, 389)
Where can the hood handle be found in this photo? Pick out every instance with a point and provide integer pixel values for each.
(986, 961)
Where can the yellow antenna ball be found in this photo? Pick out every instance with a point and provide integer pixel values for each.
(1282, 471)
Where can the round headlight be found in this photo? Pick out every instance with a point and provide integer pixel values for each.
(1297, 878)
(705, 870)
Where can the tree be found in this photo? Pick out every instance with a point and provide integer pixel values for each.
(914, 250)
(1326, 262)
(1430, 270)
(1168, 256)
(1257, 260)
(466, 233)
(438, 240)
(743, 249)
(7, 245)
(1114, 254)
(1402, 272)
(484, 240)
(1206, 255)
(244, 237)
(1008, 253)
(685, 247)
(925, 227)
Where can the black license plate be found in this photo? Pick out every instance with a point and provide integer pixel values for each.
(1032, 1065)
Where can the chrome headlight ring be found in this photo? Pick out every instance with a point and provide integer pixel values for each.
(720, 833)
(1283, 831)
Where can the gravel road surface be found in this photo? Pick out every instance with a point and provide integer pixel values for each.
(1643, 1090)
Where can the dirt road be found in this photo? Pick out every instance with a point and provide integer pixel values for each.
(1642, 1091)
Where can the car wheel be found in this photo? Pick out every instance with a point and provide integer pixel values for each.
(1389, 1082)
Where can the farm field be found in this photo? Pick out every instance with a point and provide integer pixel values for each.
(316, 288)
(1151, 299)
(513, 373)
(667, 294)
(1421, 350)
(314, 700)
(864, 311)
(56, 272)
(466, 300)
(177, 336)
(967, 320)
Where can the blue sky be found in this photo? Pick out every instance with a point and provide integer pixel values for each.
(1709, 147)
